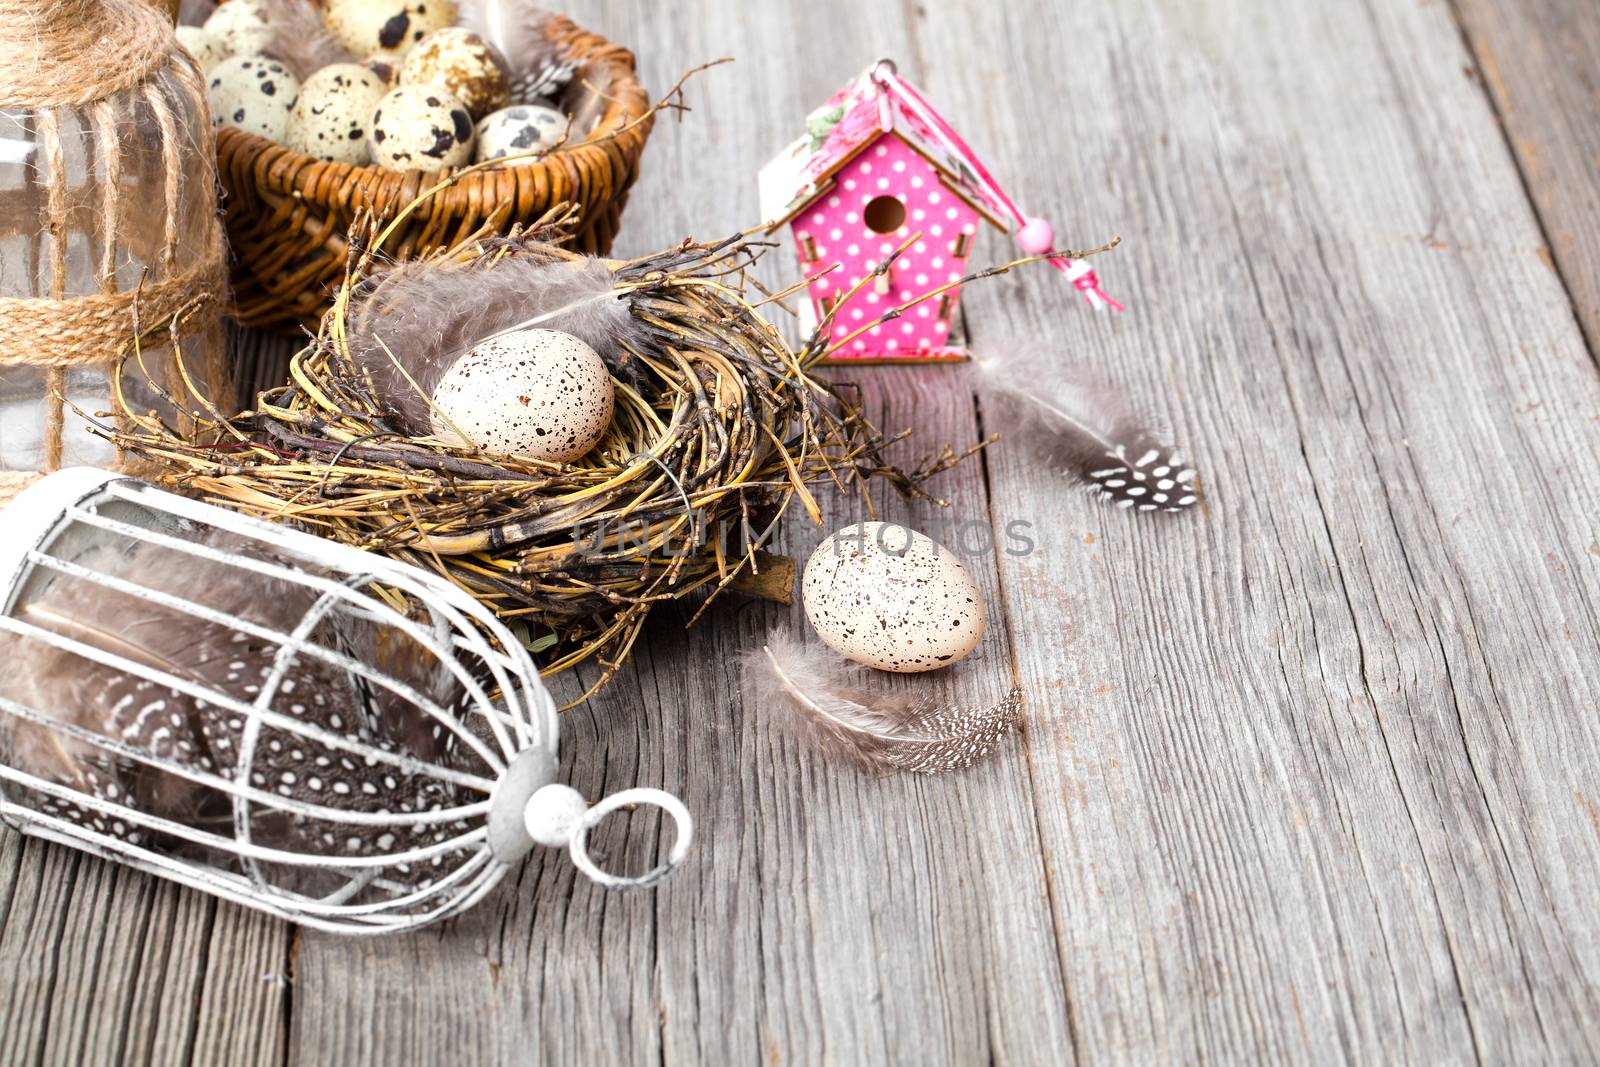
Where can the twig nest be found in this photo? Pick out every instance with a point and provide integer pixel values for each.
(207, 48)
(514, 131)
(421, 127)
(253, 93)
(242, 27)
(717, 428)
(384, 27)
(892, 598)
(539, 393)
(332, 116)
(462, 62)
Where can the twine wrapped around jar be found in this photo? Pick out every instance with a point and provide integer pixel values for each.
(109, 233)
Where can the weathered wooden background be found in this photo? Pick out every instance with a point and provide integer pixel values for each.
(1311, 776)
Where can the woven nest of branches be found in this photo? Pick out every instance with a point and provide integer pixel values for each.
(723, 430)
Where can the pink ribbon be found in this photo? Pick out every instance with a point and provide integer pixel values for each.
(1090, 285)
(1087, 283)
(1034, 234)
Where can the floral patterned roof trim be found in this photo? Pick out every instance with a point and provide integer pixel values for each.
(835, 132)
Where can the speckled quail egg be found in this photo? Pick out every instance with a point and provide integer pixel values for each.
(892, 598)
(253, 93)
(470, 67)
(242, 27)
(540, 393)
(385, 27)
(207, 48)
(420, 127)
(385, 68)
(335, 108)
(514, 131)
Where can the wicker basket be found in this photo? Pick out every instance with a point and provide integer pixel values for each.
(288, 213)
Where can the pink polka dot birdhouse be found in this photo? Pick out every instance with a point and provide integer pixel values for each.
(870, 176)
(883, 199)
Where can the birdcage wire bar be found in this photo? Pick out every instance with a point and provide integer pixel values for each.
(520, 716)
(403, 580)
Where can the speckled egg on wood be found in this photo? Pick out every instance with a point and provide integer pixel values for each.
(421, 127)
(207, 48)
(891, 598)
(335, 108)
(241, 26)
(385, 27)
(540, 393)
(470, 67)
(253, 93)
(514, 131)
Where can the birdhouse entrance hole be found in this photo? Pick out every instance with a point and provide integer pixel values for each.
(884, 214)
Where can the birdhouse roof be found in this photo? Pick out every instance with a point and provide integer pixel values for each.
(838, 131)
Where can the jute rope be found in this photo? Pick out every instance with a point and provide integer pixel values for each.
(70, 53)
(14, 482)
(102, 58)
(33, 331)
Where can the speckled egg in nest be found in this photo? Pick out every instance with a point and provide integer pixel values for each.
(253, 93)
(526, 130)
(333, 116)
(539, 393)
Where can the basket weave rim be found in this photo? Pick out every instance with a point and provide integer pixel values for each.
(628, 102)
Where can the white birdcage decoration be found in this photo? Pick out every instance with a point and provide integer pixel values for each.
(327, 735)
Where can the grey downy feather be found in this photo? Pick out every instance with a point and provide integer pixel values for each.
(428, 317)
(300, 40)
(195, 12)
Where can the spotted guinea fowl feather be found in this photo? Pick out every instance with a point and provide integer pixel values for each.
(1092, 432)
(539, 84)
(878, 731)
(178, 729)
(515, 27)
(60, 683)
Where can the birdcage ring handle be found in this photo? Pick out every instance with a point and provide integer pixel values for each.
(671, 805)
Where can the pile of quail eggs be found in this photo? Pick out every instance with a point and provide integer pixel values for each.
(429, 95)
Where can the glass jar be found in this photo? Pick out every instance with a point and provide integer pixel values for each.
(108, 229)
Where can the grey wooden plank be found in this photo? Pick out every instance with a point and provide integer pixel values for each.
(1331, 745)
(823, 916)
(1538, 60)
(101, 964)
(241, 1015)
(1316, 774)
